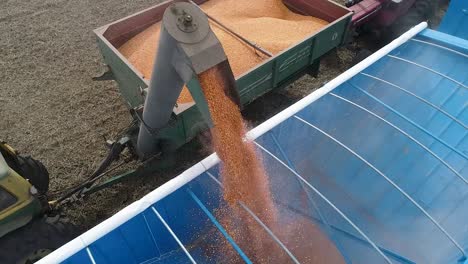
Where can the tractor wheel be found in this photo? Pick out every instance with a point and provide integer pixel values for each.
(420, 11)
(35, 172)
(35, 240)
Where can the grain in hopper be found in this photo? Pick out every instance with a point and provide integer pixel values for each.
(272, 70)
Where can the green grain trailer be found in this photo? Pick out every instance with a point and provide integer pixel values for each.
(274, 73)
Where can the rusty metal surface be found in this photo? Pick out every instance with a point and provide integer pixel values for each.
(326, 10)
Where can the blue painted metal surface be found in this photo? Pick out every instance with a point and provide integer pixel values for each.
(455, 21)
(381, 161)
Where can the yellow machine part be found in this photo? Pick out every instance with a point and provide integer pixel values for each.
(18, 187)
(26, 205)
(8, 148)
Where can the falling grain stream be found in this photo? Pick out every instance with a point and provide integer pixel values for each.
(271, 25)
(245, 180)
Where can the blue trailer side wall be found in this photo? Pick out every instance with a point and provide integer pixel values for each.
(455, 21)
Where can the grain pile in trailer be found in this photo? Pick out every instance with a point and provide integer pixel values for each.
(268, 23)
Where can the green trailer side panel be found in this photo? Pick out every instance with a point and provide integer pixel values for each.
(293, 60)
(330, 38)
(274, 73)
(130, 84)
(181, 129)
(291, 64)
(173, 135)
(194, 123)
(256, 83)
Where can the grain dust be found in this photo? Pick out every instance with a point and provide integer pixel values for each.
(245, 181)
(243, 175)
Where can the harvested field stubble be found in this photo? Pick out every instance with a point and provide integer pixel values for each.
(50, 107)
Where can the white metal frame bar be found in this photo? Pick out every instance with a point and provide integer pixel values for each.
(218, 226)
(440, 46)
(404, 133)
(429, 69)
(173, 234)
(309, 196)
(90, 255)
(421, 128)
(268, 230)
(417, 97)
(151, 233)
(259, 221)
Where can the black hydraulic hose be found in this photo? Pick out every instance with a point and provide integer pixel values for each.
(112, 156)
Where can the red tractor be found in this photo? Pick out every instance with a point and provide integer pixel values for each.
(390, 18)
(385, 20)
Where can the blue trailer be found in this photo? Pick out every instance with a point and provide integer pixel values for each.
(376, 160)
(456, 19)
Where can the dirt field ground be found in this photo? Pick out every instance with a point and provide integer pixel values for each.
(51, 108)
